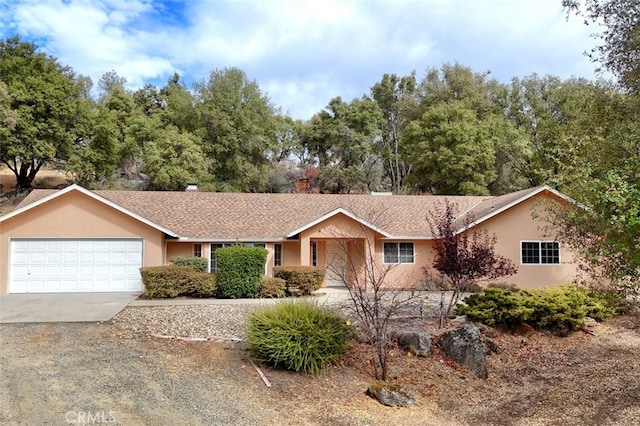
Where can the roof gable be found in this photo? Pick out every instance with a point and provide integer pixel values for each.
(57, 194)
(496, 205)
(333, 213)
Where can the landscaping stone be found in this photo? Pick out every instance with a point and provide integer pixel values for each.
(459, 321)
(464, 346)
(416, 342)
(391, 395)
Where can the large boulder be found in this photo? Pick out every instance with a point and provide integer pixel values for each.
(416, 342)
(390, 395)
(464, 346)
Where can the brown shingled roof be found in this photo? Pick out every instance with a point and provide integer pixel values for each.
(271, 217)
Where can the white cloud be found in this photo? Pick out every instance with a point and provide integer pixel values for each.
(303, 53)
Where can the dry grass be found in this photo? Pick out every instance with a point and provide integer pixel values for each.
(44, 179)
(535, 380)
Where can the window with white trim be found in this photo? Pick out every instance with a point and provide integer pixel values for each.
(398, 253)
(277, 255)
(540, 252)
(314, 253)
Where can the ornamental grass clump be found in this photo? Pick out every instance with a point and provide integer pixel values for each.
(297, 336)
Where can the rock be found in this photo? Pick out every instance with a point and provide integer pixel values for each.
(464, 346)
(416, 342)
(390, 395)
(589, 322)
(459, 321)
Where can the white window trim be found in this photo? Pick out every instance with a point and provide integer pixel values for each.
(281, 254)
(398, 244)
(540, 253)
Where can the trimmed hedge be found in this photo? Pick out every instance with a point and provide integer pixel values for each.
(297, 336)
(240, 271)
(559, 308)
(273, 287)
(199, 264)
(301, 280)
(173, 281)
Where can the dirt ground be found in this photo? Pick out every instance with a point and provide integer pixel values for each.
(55, 373)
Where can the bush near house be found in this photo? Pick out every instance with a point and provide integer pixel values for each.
(297, 336)
(273, 287)
(173, 281)
(301, 280)
(240, 271)
(560, 308)
(199, 264)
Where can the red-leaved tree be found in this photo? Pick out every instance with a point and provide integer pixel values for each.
(464, 254)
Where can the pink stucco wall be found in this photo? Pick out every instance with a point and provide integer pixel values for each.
(75, 215)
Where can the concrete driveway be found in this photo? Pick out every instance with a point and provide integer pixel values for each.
(62, 307)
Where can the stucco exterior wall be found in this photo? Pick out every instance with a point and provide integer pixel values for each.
(516, 225)
(75, 215)
(175, 248)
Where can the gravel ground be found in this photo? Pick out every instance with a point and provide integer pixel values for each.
(221, 321)
(201, 321)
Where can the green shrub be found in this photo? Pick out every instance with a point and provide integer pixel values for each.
(196, 263)
(301, 280)
(603, 304)
(301, 337)
(240, 271)
(164, 281)
(496, 307)
(173, 281)
(273, 287)
(559, 308)
(201, 284)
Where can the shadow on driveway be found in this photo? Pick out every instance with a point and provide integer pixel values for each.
(62, 307)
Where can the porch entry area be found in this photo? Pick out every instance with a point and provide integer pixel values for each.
(334, 255)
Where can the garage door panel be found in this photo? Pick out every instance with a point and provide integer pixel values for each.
(85, 258)
(53, 258)
(68, 265)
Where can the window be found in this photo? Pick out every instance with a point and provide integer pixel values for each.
(314, 253)
(213, 262)
(398, 252)
(540, 252)
(263, 245)
(197, 250)
(277, 255)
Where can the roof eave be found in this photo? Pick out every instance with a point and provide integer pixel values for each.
(91, 194)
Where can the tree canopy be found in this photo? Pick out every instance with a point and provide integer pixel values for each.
(40, 103)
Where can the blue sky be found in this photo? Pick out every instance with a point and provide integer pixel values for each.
(303, 53)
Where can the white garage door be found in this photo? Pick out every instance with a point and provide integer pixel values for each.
(75, 265)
